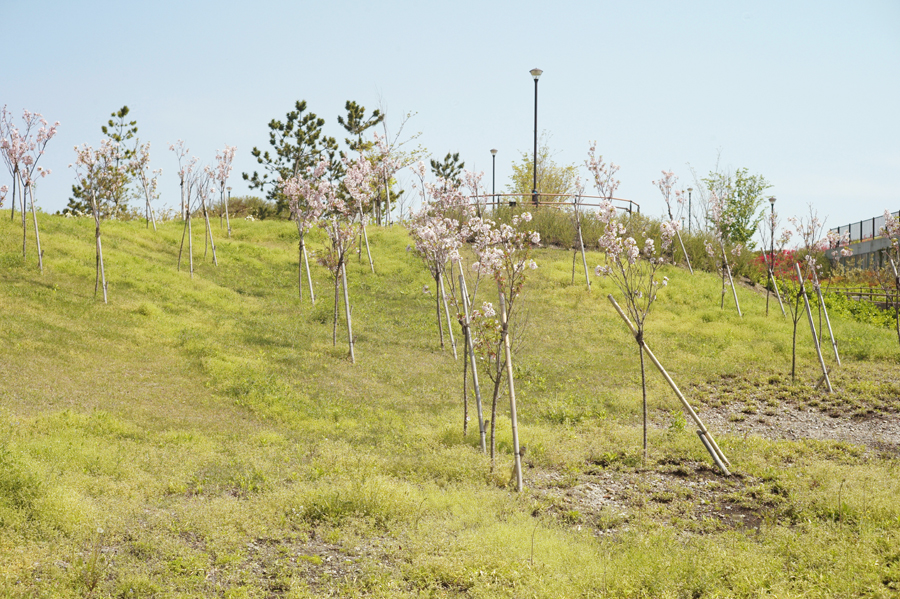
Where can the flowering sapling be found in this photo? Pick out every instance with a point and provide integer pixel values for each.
(633, 267)
(503, 253)
(21, 152)
(140, 166)
(223, 170)
(437, 234)
(360, 183)
(772, 247)
(308, 195)
(665, 185)
(809, 231)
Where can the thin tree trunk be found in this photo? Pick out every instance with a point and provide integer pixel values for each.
(512, 393)
(897, 296)
(472, 358)
(497, 380)
(37, 235)
(300, 263)
(227, 219)
(812, 327)
(347, 309)
(181, 247)
(643, 392)
(190, 243)
(24, 221)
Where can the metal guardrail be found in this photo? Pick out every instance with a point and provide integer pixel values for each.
(864, 229)
(879, 297)
(564, 200)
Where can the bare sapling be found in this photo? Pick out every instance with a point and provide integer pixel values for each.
(579, 192)
(721, 221)
(666, 185)
(205, 188)
(809, 230)
(98, 172)
(21, 151)
(772, 247)
(187, 176)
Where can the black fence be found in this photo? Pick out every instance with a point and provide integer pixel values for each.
(865, 229)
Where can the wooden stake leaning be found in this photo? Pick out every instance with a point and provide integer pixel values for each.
(587, 277)
(731, 281)
(827, 320)
(447, 312)
(771, 273)
(512, 393)
(347, 310)
(686, 257)
(473, 362)
(812, 327)
(712, 446)
(312, 294)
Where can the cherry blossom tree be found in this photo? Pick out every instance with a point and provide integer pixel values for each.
(308, 195)
(21, 151)
(503, 252)
(223, 171)
(773, 245)
(206, 187)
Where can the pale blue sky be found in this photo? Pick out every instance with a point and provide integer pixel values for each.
(805, 93)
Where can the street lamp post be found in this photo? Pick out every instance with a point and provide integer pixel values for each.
(536, 73)
(771, 250)
(690, 189)
(494, 177)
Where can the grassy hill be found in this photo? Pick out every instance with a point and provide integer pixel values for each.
(201, 436)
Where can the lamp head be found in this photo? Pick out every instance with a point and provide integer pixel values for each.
(536, 73)
(690, 189)
(772, 200)
(493, 152)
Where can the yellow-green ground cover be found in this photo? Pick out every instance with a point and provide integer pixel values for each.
(202, 437)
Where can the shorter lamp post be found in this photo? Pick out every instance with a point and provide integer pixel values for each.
(494, 176)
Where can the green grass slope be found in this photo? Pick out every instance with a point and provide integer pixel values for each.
(201, 436)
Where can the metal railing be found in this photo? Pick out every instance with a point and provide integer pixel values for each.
(864, 229)
(563, 200)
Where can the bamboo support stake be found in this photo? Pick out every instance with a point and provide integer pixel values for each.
(731, 281)
(587, 277)
(771, 269)
(347, 310)
(37, 235)
(473, 362)
(827, 320)
(684, 401)
(447, 312)
(812, 327)
(312, 294)
(368, 252)
(212, 244)
(512, 393)
(686, 257)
